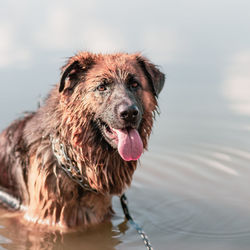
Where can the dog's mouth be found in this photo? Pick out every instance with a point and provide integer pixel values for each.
(127, 140)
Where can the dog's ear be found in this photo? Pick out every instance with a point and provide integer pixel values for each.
(155, 78)
(65, 73)
(72, 70)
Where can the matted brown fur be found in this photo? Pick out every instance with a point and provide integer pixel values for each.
(29, 169)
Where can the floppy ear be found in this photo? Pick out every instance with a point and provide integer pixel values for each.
(155, 78)
(76, 65)
(66, 72)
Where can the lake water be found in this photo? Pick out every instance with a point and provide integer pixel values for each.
(191, 189)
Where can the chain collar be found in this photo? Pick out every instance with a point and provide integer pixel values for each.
(70, 167)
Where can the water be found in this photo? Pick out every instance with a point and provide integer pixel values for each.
(191, 190)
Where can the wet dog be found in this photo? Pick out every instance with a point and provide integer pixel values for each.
(62, 164)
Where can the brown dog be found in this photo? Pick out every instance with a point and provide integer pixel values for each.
(63, 163)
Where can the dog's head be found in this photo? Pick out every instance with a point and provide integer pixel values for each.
(118, 93)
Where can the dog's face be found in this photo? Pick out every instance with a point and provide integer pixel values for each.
(119, 91)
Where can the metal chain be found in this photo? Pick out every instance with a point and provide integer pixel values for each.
(70, 168)
(124, 204)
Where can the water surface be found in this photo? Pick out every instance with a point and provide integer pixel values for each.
(191, 189)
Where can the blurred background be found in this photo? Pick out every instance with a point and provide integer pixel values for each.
(192, 188)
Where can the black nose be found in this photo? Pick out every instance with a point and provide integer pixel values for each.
(128, 113)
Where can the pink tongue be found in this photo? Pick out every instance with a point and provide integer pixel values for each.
(130, 145)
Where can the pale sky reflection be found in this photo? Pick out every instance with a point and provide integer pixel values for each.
(236, 87)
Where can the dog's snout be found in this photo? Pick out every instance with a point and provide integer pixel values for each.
(128, 113)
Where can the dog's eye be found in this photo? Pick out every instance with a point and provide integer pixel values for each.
(102, 87)
(134, 85)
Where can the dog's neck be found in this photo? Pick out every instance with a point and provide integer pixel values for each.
(68, 166)
(103, 177)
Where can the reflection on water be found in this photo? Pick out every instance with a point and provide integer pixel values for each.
(191, 190)
(237, 83)
(14, 235)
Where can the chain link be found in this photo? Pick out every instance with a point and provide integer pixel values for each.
(70, 168)
(124, 203)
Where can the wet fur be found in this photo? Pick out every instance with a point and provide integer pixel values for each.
(29, 169)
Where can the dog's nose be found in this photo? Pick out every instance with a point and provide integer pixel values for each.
(129, 113)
